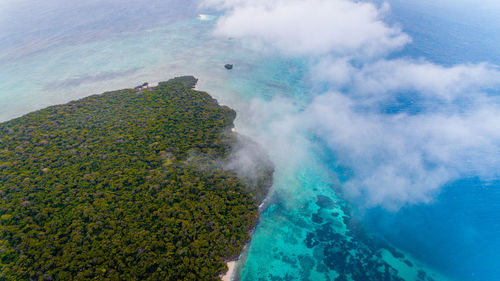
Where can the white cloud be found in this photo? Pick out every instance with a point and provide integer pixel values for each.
(386, 77)
(314, 27)
(401, 158)
(396, 158)
(405, 158)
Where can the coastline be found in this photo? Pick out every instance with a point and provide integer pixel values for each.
(114, 112)
(234, 266)
(230, 270)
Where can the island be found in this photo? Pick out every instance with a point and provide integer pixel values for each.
(127, 185)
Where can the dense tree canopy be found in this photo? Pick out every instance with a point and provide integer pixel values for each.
(124, 186)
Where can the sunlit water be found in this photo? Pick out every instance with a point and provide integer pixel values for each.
(53, 53)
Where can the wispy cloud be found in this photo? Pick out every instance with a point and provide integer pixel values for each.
(314, 27)
(405, 158)
(397, 158)
(384, 78)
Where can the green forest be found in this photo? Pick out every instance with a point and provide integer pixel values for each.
(125, 185)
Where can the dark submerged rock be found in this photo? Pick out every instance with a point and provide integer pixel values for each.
(324, 202)
(408, 263)
(311, 240)
(316, 218)
(422, 274)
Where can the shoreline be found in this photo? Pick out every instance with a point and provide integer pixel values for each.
(230, 270)
(234, 266)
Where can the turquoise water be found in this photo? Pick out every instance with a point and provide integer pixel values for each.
(57, 52)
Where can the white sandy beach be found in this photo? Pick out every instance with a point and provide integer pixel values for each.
(230, 270)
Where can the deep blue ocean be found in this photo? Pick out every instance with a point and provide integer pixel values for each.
(53, 51)
(459, 232)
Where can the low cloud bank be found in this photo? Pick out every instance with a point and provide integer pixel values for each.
(311, 28)
(405, 158)
(444, 121)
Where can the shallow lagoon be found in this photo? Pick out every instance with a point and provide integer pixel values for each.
(65, 59)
